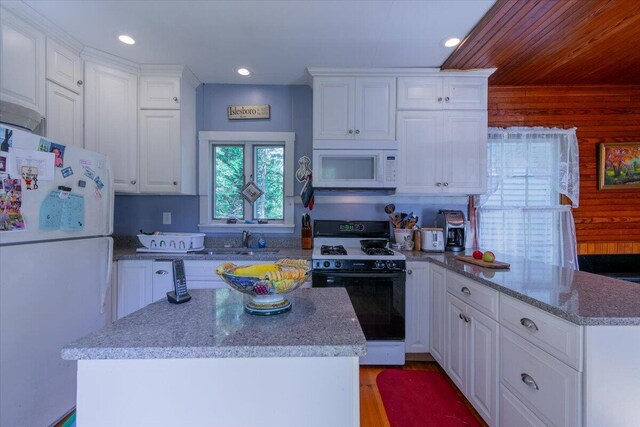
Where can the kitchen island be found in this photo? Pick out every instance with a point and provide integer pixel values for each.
(207, 362)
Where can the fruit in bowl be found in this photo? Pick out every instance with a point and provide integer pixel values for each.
(266, 283)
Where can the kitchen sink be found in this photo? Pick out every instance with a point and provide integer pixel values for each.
(238, 251)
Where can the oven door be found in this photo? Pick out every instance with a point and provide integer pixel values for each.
(378, 299)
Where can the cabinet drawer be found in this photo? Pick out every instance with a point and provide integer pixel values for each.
(556, 336)
(476, 295)
(514, 413)
(544, 384)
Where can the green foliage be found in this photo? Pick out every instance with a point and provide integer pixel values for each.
(229, 168)
(269, 177)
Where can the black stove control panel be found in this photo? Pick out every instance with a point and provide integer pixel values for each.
(369, 265)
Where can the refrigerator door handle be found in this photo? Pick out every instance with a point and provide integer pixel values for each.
(111, 197)
(107, 282)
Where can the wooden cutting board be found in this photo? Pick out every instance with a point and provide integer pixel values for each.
(481, 263)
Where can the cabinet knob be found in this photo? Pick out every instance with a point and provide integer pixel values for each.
(465, 290)
(79, 82)
(438, 184)
(528, 380)
(528, 323)
(175, 98)
(175, 182)
(133, 182)
(466, 319)
(162, 272)
(350, 131)
(447, 99)
(357, 131)
(409, 271)
(446, 184)
(439, 99)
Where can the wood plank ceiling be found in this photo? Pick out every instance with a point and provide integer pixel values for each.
(555, 42)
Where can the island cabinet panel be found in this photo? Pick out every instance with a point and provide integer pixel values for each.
(437, 315)
(417, 308)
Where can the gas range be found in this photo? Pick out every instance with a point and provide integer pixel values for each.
(332, 253)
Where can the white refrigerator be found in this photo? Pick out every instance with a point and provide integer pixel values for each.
(55, 268)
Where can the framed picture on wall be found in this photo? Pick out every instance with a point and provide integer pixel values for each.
(619, 166)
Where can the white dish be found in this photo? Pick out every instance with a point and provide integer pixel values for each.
(169, 250)
(176, 241)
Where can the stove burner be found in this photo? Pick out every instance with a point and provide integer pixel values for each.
(378, 251)
(333, 250)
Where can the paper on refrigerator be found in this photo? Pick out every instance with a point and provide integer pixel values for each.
(44, 162)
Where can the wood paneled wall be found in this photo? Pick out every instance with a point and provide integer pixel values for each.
(606, 221)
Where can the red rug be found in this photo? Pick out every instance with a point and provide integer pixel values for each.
(422, 399)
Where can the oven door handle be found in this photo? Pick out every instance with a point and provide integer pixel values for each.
(373, 274)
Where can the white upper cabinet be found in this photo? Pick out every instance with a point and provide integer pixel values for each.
(159, 151)
(159, 93)
(354, 108)
(64, 115)
(445, 92)
(419, 148)
(64, 67)
(22, 63)
(111, 121)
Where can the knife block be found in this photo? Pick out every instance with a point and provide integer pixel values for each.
(307, 237)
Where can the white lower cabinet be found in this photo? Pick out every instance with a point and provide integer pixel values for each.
(417, 308)
(437, 313)
(162, 279)
(514, 413)
(472, 356)
(134, 286)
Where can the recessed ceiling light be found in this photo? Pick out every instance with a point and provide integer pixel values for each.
(126, 39)
(243, 71)
(452, 42)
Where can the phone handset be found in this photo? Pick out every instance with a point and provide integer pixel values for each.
(179, 293)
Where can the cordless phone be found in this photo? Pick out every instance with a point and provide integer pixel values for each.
(179, 294)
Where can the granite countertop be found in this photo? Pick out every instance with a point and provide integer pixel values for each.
(129, 253)
(321, 323)
(579, 297)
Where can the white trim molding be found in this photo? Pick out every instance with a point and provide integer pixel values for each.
(396, 72)
(206, 140)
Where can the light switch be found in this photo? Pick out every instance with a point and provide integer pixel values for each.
(166, 218)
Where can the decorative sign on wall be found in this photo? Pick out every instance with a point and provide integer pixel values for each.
(247, 112)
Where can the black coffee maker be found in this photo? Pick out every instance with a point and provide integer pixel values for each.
(452, 222)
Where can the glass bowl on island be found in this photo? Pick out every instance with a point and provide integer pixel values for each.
(266, 283)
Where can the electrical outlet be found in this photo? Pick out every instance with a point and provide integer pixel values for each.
(166, 218)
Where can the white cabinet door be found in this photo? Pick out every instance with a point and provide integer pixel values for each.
(482, 384)
(160, 151)
(437, 335)
(417, 308)
(333, 108)
(134, 286)
(419, 152)
(464, 147)
(64, 115)
(159, 93)
(22, 63)
(420, 93)
(64, 66)
(162, 281)
(111, 121)
(465, 93)
(456, 353)
(375, 107)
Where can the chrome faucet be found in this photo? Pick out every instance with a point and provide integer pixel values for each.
(246, 236)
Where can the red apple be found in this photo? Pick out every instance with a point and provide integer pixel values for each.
(488, 256)
(477, 254)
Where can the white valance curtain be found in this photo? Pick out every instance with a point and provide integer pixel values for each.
(521, 213)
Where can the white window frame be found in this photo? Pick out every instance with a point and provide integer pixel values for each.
(209, 139)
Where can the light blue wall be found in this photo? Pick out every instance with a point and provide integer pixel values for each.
(291, 111)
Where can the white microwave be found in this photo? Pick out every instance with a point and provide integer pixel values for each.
(355, 168)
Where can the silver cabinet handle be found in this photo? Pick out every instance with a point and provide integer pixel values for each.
(465, 290)
(350, 131)
(528, 380)
(528, 323)
(357, 131)
(162, 272)
(79, 82)
(175, 98)
(409, 271)
(467, 319)
(439, 99)
(447, 99)
(133, 182)
(446, 184)
(438, 184)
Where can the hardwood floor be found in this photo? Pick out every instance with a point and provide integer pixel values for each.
(372, 413)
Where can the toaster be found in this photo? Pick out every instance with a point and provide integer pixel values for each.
(432, 239)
